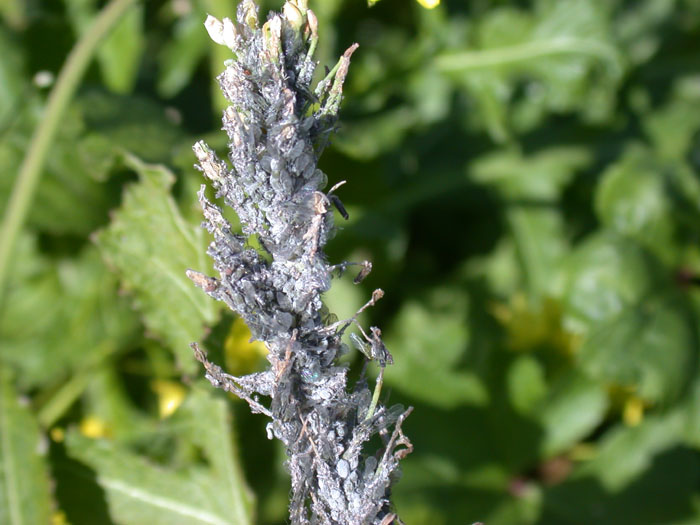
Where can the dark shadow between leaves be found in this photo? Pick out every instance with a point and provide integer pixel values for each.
(662, 494)
(79, 495)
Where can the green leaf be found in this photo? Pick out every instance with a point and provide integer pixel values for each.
(107, 399)
(205, 419)
(632, 199)
(639, 30)
(428, 340)
(650, 346)
(530, 187)
(527, 385)
(182, 53)
(563, 52)
(63, 313)
(13, 13)
(567, 408)
(638, 475)
(134, 123)
(138, 491)
(69, 199)
(625, 452)
(25, 497)
(119, 55)
(366, 138)
(691, 407)
(540, 175)
(575, 405)
(151, 246)
(12, 83)
(673, 127)
(75, 194)
(605, 274)
(638, 329)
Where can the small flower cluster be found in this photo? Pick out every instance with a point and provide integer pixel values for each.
(278, 125)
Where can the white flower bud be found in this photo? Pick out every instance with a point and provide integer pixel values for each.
(250, 15)
(215, 28)
(313, 23)
(293, 15)
(229, 34)
(272, 37)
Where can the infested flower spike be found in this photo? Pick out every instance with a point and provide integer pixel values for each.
(278, 126)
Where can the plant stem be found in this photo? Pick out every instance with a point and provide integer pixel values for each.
(59, 98)
(61, 400)
(486, 58)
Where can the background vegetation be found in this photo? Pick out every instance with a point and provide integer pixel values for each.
(524, 176)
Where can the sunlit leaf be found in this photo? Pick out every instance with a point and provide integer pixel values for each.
(151, 246)
(649, 346)
(574, 407)
(70, 200)
(24, 479)
(136, 490)
(633, 199)
(427, 349)
(530, 188)
(182, 53)
(119, 55)
(62, 314)
(605, 274)
(206, 420)
(12, 83)
(554, 51)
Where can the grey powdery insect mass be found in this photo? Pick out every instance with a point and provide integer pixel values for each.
(278, 125)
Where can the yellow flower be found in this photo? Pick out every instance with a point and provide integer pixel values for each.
(170, 394)
(633, 412)
(625, 401)
(94, 427)
(242, 355)
(59, 518)
(57, 434)
(428, 4)
(532, 326)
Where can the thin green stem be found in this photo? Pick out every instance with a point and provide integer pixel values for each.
(59, 98)
(375, 395)
(471, 60)
(61, 400)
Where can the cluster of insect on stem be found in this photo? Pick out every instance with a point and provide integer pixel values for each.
(278, 124)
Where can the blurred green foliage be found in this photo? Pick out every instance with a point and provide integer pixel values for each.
(525, 177)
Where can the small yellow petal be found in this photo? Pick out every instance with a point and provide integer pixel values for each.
(633, 413)
(93, 427)
(242, 355)
(170, 394)
(429, 4)
(57, 434)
